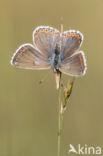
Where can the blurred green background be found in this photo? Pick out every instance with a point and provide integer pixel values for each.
(29, 111)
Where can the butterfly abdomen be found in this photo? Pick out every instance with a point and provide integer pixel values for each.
(55, 58)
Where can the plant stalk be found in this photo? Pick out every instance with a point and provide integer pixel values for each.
(60, 118)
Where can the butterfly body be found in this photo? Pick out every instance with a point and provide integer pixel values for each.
(55, 58)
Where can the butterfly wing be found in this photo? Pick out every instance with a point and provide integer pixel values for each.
(45, 39)
(74, 65)
(28, 57)
(70, 42)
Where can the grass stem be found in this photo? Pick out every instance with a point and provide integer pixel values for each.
(60, 118)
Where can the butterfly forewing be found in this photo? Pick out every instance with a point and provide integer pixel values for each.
(74, 65)
(27, 56)
(70, 42)
(45, 39)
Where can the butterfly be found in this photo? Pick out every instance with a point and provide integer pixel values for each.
(52, 49)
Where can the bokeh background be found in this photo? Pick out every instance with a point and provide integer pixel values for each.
(29, 111)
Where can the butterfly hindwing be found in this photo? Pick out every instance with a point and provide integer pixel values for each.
(27, 56)
(74, 65)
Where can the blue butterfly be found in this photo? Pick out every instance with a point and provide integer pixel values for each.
(52, 49)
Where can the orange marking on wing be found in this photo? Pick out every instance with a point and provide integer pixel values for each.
(23, 50)
(69, 35)
(46, 31)
(36, 35)
(73, 35)
(51, 32)
(42, 30)
(39, 32)
(76, 36)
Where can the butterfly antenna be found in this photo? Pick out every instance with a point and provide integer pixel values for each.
(41, 81)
